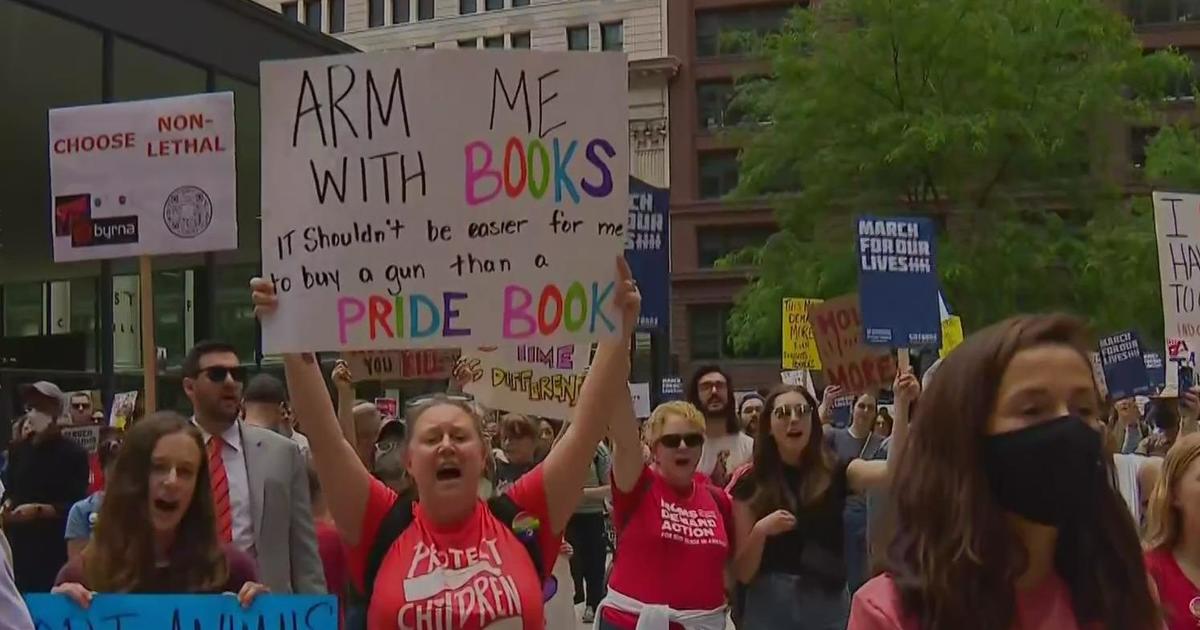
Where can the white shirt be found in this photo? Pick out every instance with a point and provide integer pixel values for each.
(1127, 467)
(739, 445)
(233, 456)
(302, 441)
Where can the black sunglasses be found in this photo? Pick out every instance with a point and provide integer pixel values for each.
(81, 405)
(218, 373)
(673, 440)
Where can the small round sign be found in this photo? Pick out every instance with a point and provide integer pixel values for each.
(187, 212)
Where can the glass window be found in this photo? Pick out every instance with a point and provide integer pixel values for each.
(715, 242)
(248, 130)
(126, 332)
(612, 36)
(466, 7)
(375, 12)
(139, 72)
(424, 47)
(424, 9)
(578, 38)
(312, 14)
(234, 315)
(1139, 138)
(712, 101)
(337, 16)
(493, 42)
(708, 334)
(520, 40)
(520, 3)
(1164, 11)
(24, 309)
(84, 303)
(171, 321)
(1181, 87)
(472, 43)
(718, 173)
(714, 28)
(290, 10)
(493, 5)
(401, 11)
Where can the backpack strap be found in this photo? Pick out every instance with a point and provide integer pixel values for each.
(397, 519)
(506, 511)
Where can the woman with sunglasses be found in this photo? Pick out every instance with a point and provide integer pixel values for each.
(456, 564)
(672, 527)
(788, 513)
(157, 531)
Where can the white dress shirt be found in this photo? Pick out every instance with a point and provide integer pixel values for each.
(234, 457)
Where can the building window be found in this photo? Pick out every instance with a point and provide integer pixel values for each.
(1139, 138)
(337, 16)
(578, 38)
(520, 3)
(290, 10)
(715, 29)
(494, 42)
(424, 9)
(612, 36)
(424, 46)
(1164, 11)
(375, 12)
(708, 333)
(716, 242)
(520, 41)
(312, 14)
(24, 309)
(467, 7)
(469, 44)
(401, 11)
(718, 173)
(493, 5)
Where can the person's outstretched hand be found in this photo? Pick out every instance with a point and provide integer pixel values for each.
(628, 298)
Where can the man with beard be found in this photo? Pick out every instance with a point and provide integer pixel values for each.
(726, 447)
(246, 465)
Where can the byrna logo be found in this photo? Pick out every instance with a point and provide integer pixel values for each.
(88, 232)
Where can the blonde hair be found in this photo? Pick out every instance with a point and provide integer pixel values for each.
(687, 411)
(1163, 520)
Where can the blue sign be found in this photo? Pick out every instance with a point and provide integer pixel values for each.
(1124, 367)
(190, 612)
(1156, 370)
(672, 388)
(842, 409)
(898, 282)
(648, 250)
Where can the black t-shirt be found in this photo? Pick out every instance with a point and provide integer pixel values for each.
(508, 474)
(814, 549)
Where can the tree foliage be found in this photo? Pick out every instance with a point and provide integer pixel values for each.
(991, 117)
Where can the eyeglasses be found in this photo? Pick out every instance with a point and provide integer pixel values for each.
(690, 440)
(218, 373)
(713, 385)
(790, 411)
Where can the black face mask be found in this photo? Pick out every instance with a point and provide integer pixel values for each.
(1049, 473)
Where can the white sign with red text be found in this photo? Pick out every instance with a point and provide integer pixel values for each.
(143, 178)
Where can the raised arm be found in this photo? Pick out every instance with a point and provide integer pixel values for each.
(336, 461)
(864, 475)
(604, 400)
(343, 382)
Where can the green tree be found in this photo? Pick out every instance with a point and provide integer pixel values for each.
(989, 116)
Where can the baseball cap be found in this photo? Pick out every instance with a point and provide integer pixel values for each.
(265, 388)
(44, 389)
(392, 429)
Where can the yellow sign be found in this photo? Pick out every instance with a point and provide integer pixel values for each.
(799, 342)
(952, 334)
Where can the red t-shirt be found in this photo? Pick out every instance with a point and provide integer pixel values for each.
(333, 559)
(671, 547)
(1180, 598)
(474, 576)
(95, 474)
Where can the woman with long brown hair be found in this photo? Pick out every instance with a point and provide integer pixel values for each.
(1006, 515)
(1173, 534)
(788, 513)
(156, 532)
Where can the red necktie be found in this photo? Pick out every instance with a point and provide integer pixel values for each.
(220, 489)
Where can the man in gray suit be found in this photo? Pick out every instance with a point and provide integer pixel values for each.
(259, 478)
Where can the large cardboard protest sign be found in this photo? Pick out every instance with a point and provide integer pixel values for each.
(400, 365)
(849, 363)
(542, 380)
(1177, 226)
(1123, 365)
(143, 178)
(443, 199)
(117, 612)
(898, 282)
(799, 343)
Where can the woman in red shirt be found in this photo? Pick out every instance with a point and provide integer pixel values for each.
(672, 526)
(457, 566)
(1173, 534)
(1006, 515)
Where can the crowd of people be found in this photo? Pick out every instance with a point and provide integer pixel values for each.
(1000, 490)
